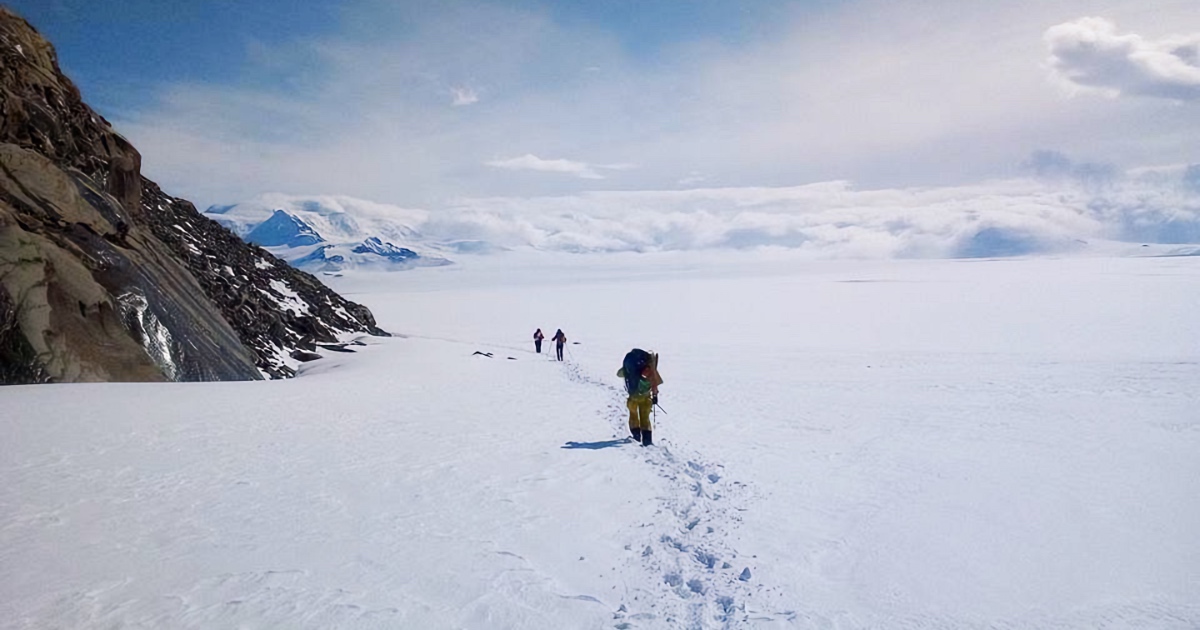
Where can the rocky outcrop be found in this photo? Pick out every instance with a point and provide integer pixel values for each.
(103, 277)
(278, 310)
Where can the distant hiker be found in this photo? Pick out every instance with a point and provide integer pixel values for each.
(640, 371)
(537, 340)
(559, 340)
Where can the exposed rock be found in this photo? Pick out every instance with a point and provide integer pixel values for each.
(18, 360)
(305, 355)
(104, 277)
(274, 307)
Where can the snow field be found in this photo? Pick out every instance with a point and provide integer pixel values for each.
(926, 443)
(910, 444)
(409, 485)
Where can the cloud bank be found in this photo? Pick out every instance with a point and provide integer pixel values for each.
(1060, 210)
(1015, 217)
(1091, 53)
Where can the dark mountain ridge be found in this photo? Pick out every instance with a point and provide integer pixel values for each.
(104, 277)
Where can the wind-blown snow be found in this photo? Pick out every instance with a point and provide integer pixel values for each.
(849, 444)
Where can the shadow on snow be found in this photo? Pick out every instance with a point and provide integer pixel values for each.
(595, 446)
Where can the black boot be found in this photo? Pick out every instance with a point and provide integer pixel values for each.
(637, 433)
(646, 440)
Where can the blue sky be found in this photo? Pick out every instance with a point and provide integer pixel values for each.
(119, 52)
(422, 103)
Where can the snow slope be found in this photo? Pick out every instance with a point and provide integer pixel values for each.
(915, 444)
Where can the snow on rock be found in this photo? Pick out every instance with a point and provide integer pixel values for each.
(288, 300)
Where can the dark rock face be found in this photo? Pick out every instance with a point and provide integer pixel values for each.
(103, 277)
(18, 360)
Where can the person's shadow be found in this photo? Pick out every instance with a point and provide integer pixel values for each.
(595, 446)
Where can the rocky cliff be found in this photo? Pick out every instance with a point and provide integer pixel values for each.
(103, 277)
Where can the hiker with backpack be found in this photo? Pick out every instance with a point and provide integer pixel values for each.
(537, 340)
(640, 371)
(559, 340)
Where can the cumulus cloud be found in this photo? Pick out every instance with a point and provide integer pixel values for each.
(530, 162)
(1091, 53)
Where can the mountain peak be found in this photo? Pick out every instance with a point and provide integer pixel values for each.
(326, 234)
(283, 229)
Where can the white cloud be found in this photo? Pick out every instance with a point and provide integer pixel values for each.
(1091, 53)
(866, 90)
(464, 96)
(530, 162)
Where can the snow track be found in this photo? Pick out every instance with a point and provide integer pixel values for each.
(692, 576)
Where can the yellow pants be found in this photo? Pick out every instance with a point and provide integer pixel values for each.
(639, 412)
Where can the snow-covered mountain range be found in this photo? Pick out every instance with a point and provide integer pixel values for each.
(333, 233)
